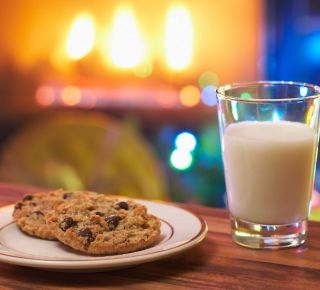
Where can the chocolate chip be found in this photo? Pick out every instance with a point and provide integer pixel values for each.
(28, 197)
(86, 232)
(33, 203)
(99, 213)
(38, 212)
(113, 221)
(123, 205)
(18, 205)
(68, 222)
(67, 195)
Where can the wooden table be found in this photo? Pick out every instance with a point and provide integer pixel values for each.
(217, 263)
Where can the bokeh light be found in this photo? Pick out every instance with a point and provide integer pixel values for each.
(210, 154)
(166, 136)
(189, 96)
(208, 78)
(178, 37)
(80, 40)
(71, 95)
(126, 45)
(246, 96)
(186, 141)
(312, 48)
(45, 96)
(181, 159)
(208, 96)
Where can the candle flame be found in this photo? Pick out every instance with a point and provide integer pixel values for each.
(80, 40)
(178, 38)
(126, 45)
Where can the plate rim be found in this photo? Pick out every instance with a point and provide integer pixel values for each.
(112, 263)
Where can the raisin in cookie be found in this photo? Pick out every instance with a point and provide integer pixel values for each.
(104, 225)
(29, 213)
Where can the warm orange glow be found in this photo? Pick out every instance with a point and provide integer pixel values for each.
(71, 95)
(224, 38)
(80, 39)
(178, 38)
(45, 96)
(190, 96)
(126, 46)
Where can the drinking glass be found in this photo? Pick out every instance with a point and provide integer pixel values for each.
(269, 136)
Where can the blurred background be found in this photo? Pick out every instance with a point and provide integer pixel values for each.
(119, 96)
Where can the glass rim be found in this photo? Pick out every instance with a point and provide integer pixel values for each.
(221, 91)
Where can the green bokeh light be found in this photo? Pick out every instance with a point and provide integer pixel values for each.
(208, 78)
(246, 96)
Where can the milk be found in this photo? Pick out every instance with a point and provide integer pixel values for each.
(269, 168)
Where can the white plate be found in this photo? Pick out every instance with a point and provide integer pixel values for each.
(180, 230)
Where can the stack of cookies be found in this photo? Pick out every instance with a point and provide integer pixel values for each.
(87, 221)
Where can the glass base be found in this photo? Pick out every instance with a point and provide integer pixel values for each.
(260, 236)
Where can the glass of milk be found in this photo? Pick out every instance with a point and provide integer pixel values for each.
(269, 135)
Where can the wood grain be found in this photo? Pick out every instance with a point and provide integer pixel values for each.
(217, 263)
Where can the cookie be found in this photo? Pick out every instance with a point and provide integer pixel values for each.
(104, 225)
(30, 213)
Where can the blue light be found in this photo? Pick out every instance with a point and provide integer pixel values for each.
(167, 135)
(208, 96)
(312, 48)
(186, 141)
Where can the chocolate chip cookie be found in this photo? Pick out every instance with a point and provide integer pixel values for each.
(104, 225)
(29, 213)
